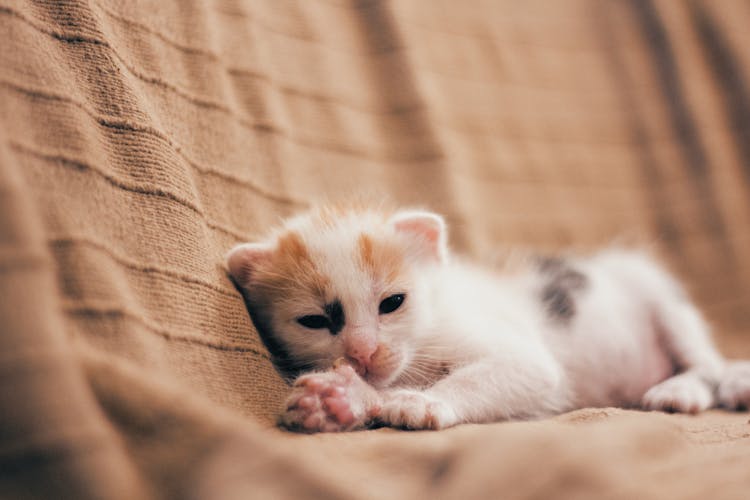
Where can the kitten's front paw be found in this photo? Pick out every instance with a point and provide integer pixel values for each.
(416, 410)
(685, 393)
(333, 401)
(734, 387)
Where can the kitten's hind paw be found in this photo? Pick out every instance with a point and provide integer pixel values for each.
(333, 401)
(734, 387)
(684, 393)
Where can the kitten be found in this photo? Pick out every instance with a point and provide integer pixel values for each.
(393, 329)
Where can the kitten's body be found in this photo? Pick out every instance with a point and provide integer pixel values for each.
(464, 343)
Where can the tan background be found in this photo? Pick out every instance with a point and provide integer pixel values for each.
(140, 140)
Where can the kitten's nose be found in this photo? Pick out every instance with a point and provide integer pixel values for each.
(360, 348)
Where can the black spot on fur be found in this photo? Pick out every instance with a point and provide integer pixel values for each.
(562, 283)
(335, 313)
(284, 363)
(286, 366)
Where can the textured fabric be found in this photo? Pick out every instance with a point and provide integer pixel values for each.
(140, 140)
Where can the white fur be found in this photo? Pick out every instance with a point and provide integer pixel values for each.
(477, 345)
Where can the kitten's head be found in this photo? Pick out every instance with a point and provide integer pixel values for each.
(343, 284)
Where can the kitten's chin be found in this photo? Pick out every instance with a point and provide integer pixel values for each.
(381, 381)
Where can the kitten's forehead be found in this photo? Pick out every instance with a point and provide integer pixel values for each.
(291, 268)
(350, 251)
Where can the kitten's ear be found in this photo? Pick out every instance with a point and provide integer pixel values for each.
(243, 259)
(427, 227)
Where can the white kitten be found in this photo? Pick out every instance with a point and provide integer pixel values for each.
(397, 331)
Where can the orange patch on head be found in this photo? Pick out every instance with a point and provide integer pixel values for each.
(291, 268)
(291, 248)
(379, 258)
(365, 251)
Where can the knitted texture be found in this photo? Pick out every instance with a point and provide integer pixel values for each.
(140, 140)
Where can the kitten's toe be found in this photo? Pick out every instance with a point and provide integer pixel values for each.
(300, 420)
(301, 411)
(734, 387)
(415, 410)
(684, 394)
(325, 402)
(338, 408)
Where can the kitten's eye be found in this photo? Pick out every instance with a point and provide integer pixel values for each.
(390, 304)
(313, 321)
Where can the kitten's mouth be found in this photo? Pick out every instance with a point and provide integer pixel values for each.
(383, 367)
(358, 367)
(381, 371)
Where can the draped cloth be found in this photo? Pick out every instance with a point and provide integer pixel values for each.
(140, 140)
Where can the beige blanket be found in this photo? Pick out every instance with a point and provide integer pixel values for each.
(140, 140)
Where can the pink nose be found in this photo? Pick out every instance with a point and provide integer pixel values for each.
(361, 348)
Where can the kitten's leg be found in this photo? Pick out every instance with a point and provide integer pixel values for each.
(734, 387)
(485, 391)
(686, 338)
(332, 401)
